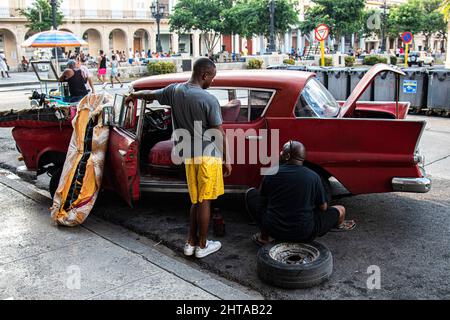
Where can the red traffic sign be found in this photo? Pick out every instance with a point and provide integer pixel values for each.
(407, 37)
(321, 32)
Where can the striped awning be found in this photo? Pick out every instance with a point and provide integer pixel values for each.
(54, 38)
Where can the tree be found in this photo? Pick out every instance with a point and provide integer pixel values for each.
(251, 17)
(406, 17)
(207, 16)
(433, 21)
(445, 9)
(39, 15)
(343, 17)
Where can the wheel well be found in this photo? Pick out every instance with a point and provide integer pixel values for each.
(317, 169)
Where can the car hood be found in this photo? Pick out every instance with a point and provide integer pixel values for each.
(350, 105)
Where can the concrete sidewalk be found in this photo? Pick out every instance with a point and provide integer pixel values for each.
(19, 79)
(96, 261)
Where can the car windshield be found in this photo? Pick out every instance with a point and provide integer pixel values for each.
(319, 100)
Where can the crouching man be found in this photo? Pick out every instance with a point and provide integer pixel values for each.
(291, 205)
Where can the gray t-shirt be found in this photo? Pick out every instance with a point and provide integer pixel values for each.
(195, 110)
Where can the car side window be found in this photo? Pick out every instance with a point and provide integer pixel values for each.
(241, 105)
(303, 110)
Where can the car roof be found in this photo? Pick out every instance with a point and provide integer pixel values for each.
(268, 79)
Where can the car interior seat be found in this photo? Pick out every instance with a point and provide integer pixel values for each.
(231, 110)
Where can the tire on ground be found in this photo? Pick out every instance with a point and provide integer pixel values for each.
(276, 264)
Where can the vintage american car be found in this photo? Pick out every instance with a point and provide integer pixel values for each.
(368, 147)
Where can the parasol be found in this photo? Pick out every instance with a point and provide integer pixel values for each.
(53, 39)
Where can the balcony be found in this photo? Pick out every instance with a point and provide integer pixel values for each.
(91, 14)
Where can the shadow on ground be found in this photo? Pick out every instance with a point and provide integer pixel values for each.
(406, 235)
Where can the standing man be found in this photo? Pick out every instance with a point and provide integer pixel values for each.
(196, 111)
(77, 82)
(101, 72)
(292, 204)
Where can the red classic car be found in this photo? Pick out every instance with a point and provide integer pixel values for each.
(368, 147)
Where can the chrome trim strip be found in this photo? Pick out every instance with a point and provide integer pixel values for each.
(179, 187)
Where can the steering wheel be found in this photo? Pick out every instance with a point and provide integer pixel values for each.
(154, 120)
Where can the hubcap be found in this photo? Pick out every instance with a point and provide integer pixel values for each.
(294, 253)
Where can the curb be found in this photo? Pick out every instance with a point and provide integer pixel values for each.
(17, 84)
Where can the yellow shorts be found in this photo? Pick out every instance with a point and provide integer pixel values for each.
(204, 178)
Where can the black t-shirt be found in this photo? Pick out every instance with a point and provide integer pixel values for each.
(292, 196)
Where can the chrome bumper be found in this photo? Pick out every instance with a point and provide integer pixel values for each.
(417, 185)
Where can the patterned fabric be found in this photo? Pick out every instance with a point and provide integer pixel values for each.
(82, 173)
(54, 38)
(205, 178)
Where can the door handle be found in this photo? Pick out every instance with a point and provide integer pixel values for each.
(123, 153)
(253, 137)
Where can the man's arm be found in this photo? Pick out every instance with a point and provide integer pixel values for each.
(91, 84)
(62, 78)
(147, 95)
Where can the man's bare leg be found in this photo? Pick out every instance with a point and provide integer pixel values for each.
(203, 217)
(192, 237)
(341, 210)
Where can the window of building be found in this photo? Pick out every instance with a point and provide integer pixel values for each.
(90, 8)
(116, 9)
(4, 9)
(140, 9)
(65, 7)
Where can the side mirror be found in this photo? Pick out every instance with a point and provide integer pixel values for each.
(108, 116)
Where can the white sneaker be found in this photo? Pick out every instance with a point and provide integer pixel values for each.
(188, 249)
(211, 247)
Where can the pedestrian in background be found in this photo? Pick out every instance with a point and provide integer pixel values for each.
(130, 57)
(4, 65)
(115, 71)
(101, 72)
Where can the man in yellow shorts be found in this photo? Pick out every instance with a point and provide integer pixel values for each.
(196, 114)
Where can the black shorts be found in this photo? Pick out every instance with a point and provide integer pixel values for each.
(325, 221)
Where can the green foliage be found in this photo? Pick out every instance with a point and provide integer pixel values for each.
(445, 9)
(349, 61)
(418, 16)
(343, 17)
(207, 16)
(251, 17)
(328, 61)
(41, 10)
(254, 63)
(374, 59)
(289, 61)
(161, 67)
(393, 60)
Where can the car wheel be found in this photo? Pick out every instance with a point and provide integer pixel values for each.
(54, 181)
(294, 265)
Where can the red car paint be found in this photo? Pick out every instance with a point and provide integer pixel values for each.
(364, 147)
